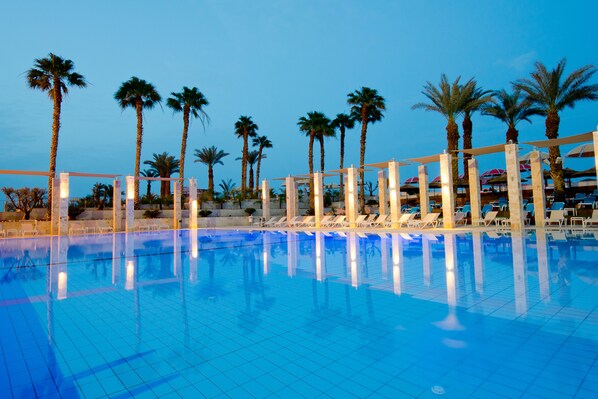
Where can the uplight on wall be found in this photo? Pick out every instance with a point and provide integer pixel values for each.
(130, 280)
(64, 187)
(130, 187)
(194, 207)
(62, 284)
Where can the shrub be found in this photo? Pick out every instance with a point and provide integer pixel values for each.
(151, 213)
(249, 211)
(205, 213)
(76, 208)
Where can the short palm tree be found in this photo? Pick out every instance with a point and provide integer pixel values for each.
(342, 122)
(245, 128)
(551, 92)
(149, 173)
(510, 108)
(138, 94)
(191, 102)
(54, 74)
(447, 100)
(228, 188)
(165, 165)
(366, 106)
(310, 126)
(260, 142)
(210, 156)
(252, 158)
(474, 98)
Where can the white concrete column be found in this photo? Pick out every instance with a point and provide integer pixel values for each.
(539, 193)
(397, 264)
(514, 186)
(117, 214)
(346, 193)
(424, 196)
(177, 205)
(63, 211)
(382, 192)
(318, 198)
(291, 200)
(320, 257)
(394, 189)
(192, 204)
(446, 187)
(265, 200)
(55, 206)
(595, 137)
(519, 273)
(130, 205)
(353, 258)
(475, 200)
(351, 200)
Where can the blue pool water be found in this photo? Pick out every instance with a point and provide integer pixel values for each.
(251, 315)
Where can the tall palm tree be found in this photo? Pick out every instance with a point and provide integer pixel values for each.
(54, 74)
(138, 94)
(190, 102)
(245, 128)
(210, 156)
(252, 159)
(326, 130)
(310, 126)
(447, 100)
(510, 108)
(165, 165)
(260, 142)
(342, 122)
(551, 93)
(149, 173)
(366, 106)
(474, 98)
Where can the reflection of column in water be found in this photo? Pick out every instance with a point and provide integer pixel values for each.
(266, 251)
(194, 255)
(543, 276)
(427, 258)
(176, 253)
(397, 264)
(58, 266)
(353, 258)
(116, 258)
(478, 262)
(292, 253)
(384, 254)
(450, 255)
(130, 262)
(519, 275)
(320, 257)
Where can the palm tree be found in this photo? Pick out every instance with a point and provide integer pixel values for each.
(510, 108)
(325, 130)
(366, 106)
(210, 156)
(473, 99)
(165, 165)
(149, 173)
(139, 94)
(190, 102)
(252, 158)
(54, 74)
(228, 187)
(342, 122)
(245, 128)
(260, 142)
(447, 100)
(550, 93)
(310, 125)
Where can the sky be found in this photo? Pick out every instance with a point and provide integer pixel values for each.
(274, 61)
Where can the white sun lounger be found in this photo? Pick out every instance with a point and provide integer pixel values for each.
(282, 222)
(378, 222)
(103, 227)
(430, 220)
(366, 222)
(28, 229)
(591, 221)
(555, 217)
(271, 221)
(360, 219)
(488, 219)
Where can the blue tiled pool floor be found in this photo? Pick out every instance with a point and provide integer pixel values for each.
(232, 314)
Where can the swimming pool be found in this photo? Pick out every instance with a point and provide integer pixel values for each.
(285, 314)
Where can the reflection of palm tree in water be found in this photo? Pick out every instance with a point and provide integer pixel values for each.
(564, 272)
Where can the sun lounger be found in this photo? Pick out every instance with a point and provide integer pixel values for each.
(378, 222)
(294, 222)
(555, 217)
(360, 220)
(367, 221)
(306, 221)
(488, 219)
(326, 219)
(332, 222)
(591, 221)
(340, 221)
(271, 221)
(103, 227)
(77, 228)
(282, 222)
(460, 218)
(403, 220)
(430, 220)
(28, 229)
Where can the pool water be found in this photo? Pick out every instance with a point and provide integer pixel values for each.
(280, 314)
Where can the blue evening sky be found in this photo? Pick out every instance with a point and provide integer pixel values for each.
(275, 61)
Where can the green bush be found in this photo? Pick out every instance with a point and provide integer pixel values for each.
(205, 213)
(249, 211)
(151, 213)
(75, 209)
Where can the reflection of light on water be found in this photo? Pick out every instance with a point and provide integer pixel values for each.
(130, 280)
(450, 322)
(319, 256)
(454, 343)
(62, 283)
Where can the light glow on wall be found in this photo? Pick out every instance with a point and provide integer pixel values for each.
(64, 187)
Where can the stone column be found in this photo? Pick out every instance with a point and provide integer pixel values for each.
(55, 222)
(318, 198)
(394, 189)
(291, 198)
(475, 200)
(177, 205)
(539, 193)
(351, 199)
(382, 192)
(130, 205)
(514, 186)
(446, 187)
(192, 204)
(424, 196)
(595, 137)
(265, 200)
(117, 214)
(63, 212)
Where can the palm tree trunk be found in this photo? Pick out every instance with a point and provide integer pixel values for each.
(452, 136)
(54, 145)
(321, 140)
(138, 110)
(556, 168)
(342, 183)
(364, 131)
(257, 172)
(467, 144)
(186, 111)
(310, 160)
(211, 182)
(512, 134)
(244, 164)
(149, 188)
(250, 185)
